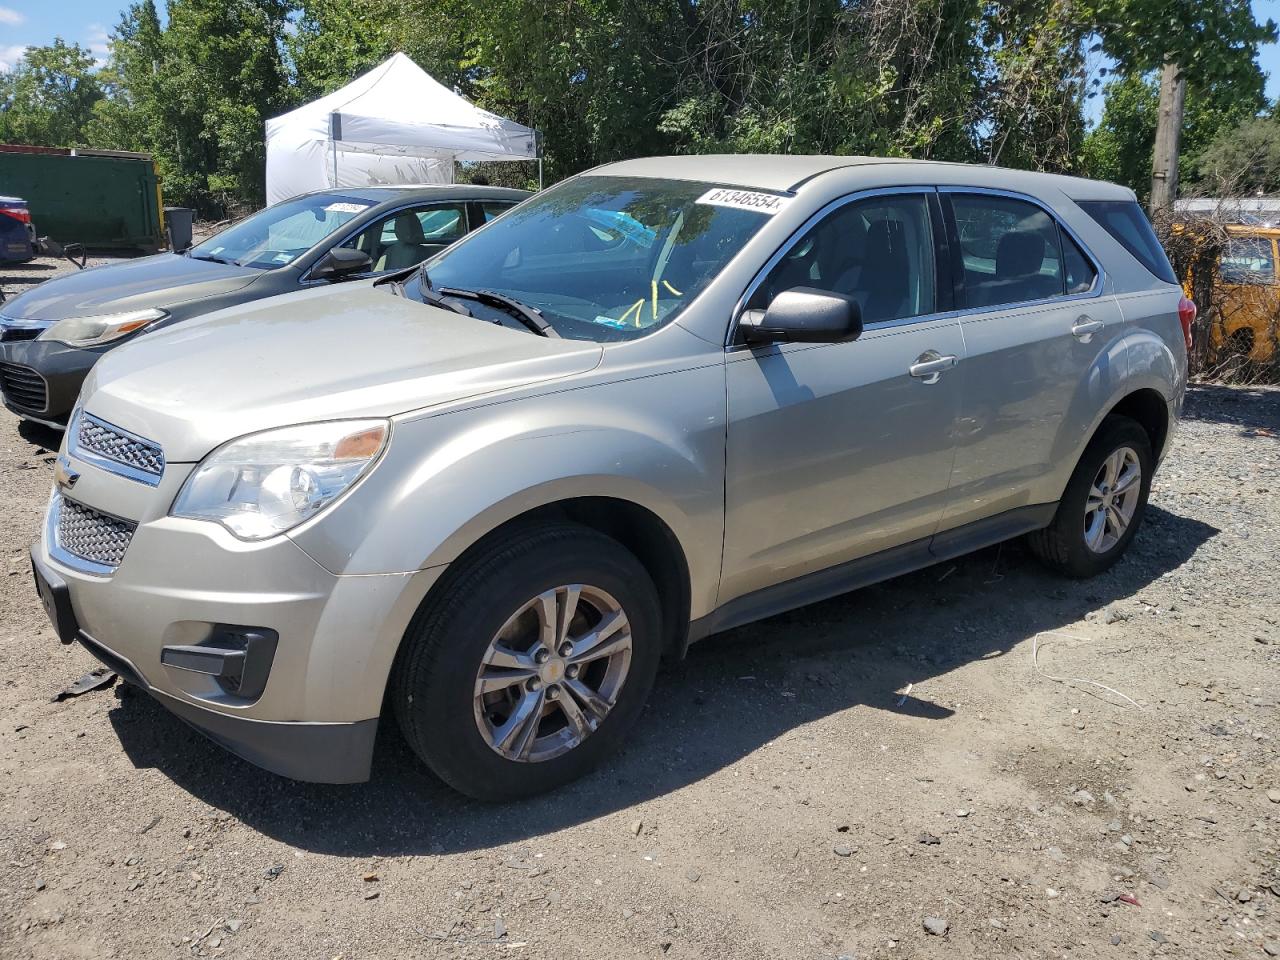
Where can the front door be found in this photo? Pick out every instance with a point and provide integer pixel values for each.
(837, 451)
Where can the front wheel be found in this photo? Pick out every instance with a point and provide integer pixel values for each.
(1103, 505)
(531, 664)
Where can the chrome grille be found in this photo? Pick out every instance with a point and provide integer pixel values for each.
(85, 533)
(112, 443)
(23, 387)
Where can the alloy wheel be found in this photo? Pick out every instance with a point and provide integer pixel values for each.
(553, 672)
(1112, 500)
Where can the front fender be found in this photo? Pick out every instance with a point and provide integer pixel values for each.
(448, 480)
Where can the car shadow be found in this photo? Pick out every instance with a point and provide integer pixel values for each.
(1250, 408)
(734, 693)
(45, 438)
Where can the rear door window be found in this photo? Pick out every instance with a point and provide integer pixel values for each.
(1081, 274)
(495, 208)
(1011, 250)
(1129, 226)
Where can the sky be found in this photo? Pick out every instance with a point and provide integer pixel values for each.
(87, 22)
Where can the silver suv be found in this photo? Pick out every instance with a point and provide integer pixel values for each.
(667, 397)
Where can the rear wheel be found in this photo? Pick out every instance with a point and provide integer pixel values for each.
(1103, 505)
(531, 664)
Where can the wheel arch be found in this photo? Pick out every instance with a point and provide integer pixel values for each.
(639, 529)
(1150, 409)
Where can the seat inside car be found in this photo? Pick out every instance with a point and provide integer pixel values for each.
(410, 246)
(879, 281)
(1019, 261)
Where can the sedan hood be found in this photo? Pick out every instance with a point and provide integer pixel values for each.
(325, 354)
(163, 280)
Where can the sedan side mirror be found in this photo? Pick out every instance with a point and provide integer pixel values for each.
(340, 263)
(804, 315)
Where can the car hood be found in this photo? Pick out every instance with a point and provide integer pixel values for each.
(319, 355)
(162, 280)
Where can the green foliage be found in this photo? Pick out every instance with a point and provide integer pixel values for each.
(1206, 38)
(1119, 148)
(999, 81)
(48, 98)
(1243, 159)
(196, 93)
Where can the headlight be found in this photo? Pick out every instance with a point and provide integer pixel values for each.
(266, 483)
(91, 331)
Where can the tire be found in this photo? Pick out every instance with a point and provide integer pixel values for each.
(436, 687)
(1065, 545)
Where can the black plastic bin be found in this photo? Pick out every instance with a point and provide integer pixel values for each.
(178, 222)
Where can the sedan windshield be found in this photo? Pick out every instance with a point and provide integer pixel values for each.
(278, 235)
(602, 258)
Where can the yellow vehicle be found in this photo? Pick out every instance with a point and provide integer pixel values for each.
(1246, 322)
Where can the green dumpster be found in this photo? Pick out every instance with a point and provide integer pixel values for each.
(98, 198)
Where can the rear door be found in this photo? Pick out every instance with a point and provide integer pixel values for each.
(1035, 322)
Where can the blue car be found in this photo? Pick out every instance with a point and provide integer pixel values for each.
(17, 232)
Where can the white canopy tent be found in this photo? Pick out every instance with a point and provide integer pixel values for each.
(395, 124)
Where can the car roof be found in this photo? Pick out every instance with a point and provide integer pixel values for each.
(424, 191)
(787, 172)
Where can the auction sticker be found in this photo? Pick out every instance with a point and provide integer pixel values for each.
(346, 207)
(745, 200)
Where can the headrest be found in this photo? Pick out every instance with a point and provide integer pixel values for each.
(408, 228)
(1019, 253)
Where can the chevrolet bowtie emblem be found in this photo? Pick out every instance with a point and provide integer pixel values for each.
(63, 475)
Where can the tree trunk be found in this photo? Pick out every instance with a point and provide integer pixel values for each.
(1164, 164)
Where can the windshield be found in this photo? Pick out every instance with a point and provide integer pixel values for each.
(602, 258)
(278, 235)
(1248, 260)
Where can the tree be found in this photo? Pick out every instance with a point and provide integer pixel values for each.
(48, 98)
(197, 93)
(1244, 158)
(1034, 84)
(1204, 42)
(1120, 147)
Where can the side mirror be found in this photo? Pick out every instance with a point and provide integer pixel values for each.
(803, 315)
(340, 263)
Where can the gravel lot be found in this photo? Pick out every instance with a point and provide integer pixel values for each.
(783, 797)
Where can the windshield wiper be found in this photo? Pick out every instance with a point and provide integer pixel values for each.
(430, 297)
(213, 259)
(397, 282)
(531, 317)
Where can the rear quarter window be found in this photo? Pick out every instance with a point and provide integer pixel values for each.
(1129, 226)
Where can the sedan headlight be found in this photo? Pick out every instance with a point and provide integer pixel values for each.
(91, 331)
(266, 483)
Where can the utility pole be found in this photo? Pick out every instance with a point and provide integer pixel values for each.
(1164, 163)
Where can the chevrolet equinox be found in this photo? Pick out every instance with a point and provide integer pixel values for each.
(664, 398)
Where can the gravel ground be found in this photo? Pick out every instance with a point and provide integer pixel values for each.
(785, 796)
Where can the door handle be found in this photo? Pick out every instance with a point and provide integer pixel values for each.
(929, 366)
(1085, 327)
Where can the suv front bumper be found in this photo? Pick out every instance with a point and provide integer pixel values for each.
(314, 716)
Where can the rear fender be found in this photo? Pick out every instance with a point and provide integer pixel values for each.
(1138, 360)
